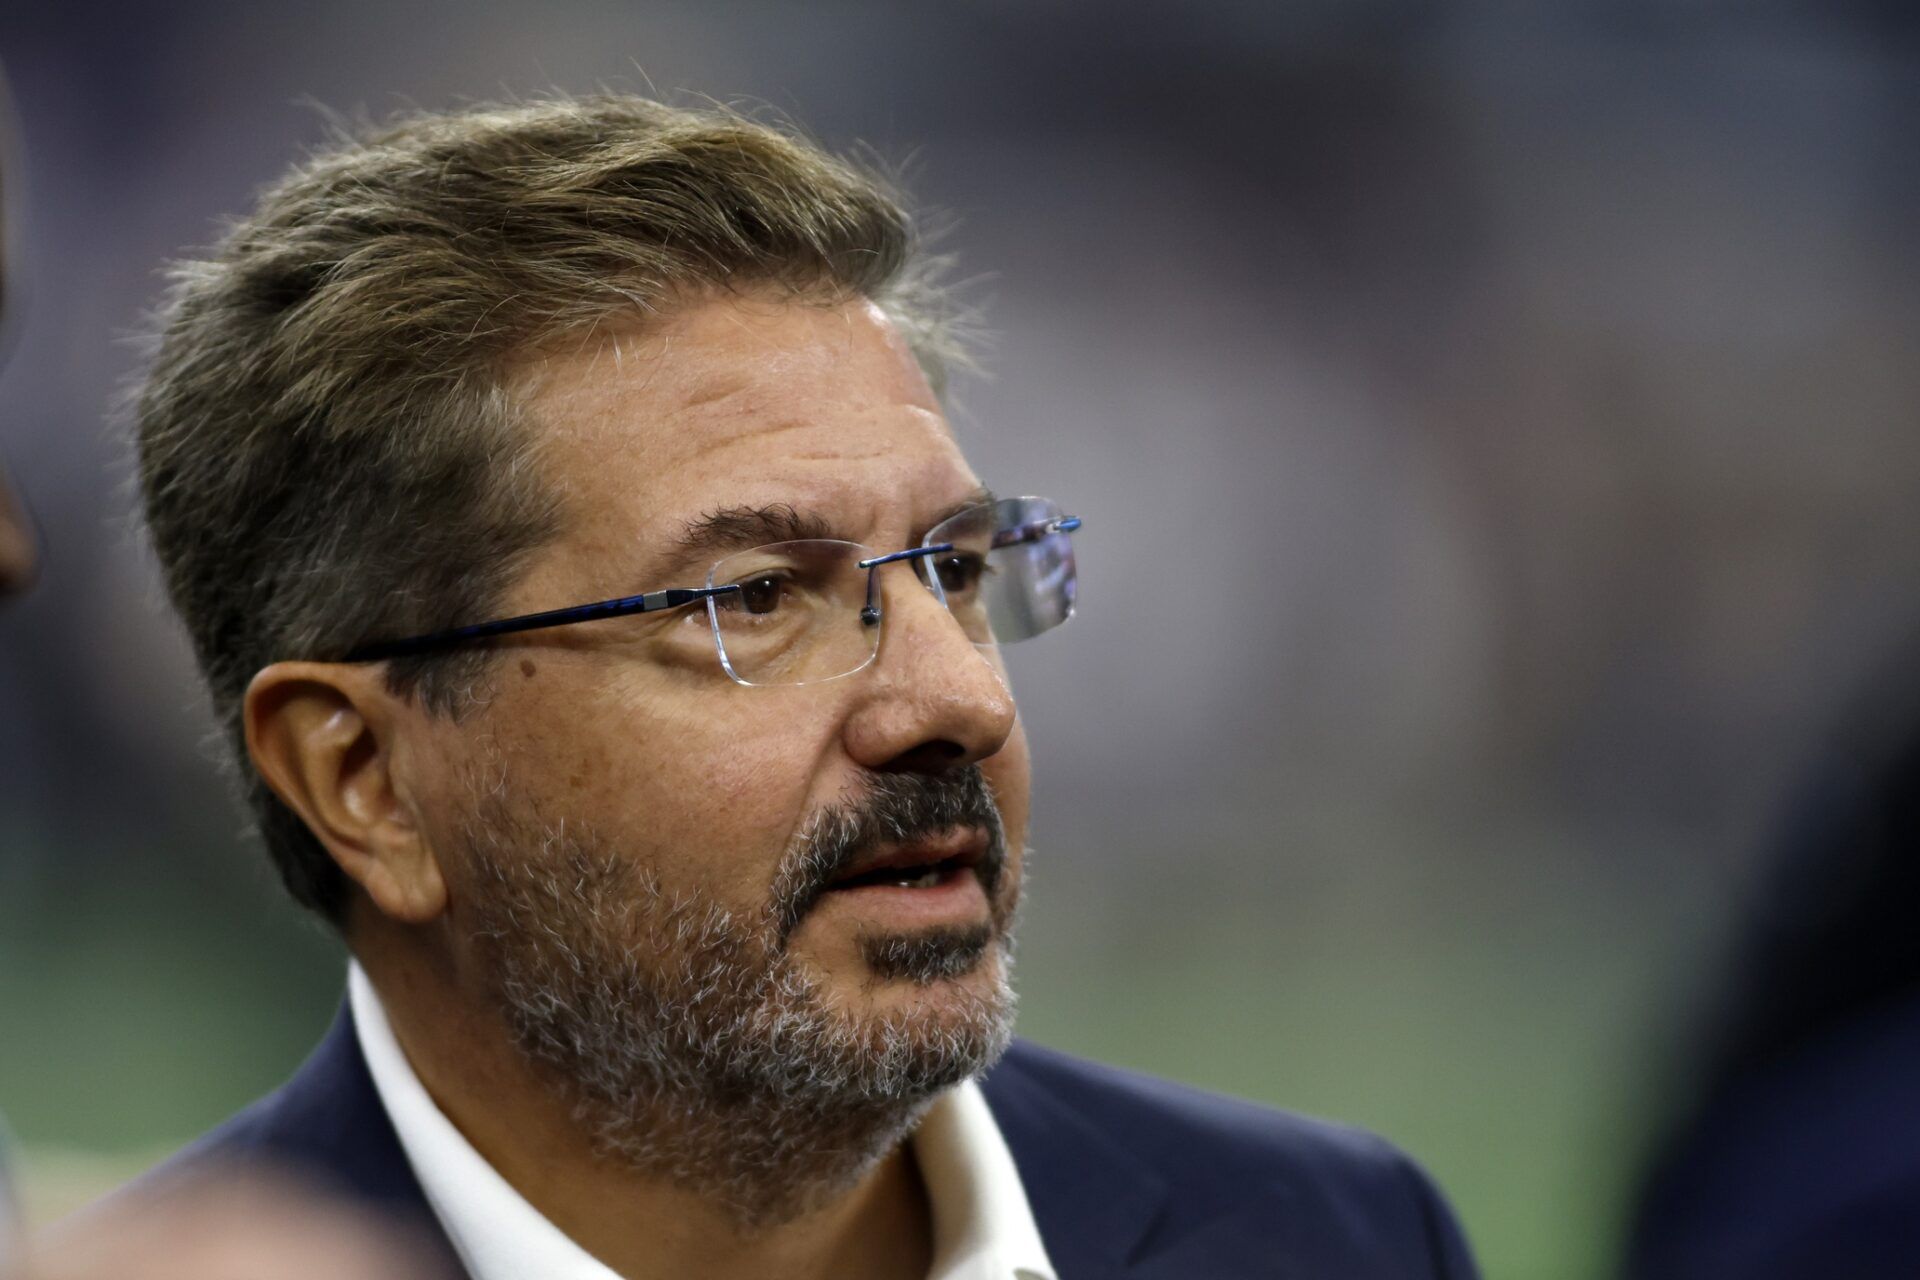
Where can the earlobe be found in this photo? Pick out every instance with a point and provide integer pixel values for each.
(325, 737)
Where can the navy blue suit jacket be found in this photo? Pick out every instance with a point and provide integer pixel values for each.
(1128, 1176)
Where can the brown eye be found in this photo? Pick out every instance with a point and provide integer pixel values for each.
(760, 595)
(959, 574)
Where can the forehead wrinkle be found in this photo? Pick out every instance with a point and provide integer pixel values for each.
(718, 388)
(690, 389)
(655, 412)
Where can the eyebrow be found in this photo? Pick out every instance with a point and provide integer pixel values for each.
(980, 497)
(738, 528)
(728, 529)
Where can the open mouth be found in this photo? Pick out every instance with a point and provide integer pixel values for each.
(930, 875)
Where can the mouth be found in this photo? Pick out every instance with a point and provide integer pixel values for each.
(905, 878)
(916, 864)
(918, 882)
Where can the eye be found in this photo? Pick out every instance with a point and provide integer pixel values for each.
(959, 573)
(761, 594)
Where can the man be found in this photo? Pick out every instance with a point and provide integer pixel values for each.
(18, 557)
(680, 921)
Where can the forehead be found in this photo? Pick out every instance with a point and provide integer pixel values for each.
(741, 401)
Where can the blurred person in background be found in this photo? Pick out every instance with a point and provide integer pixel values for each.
(17, 554)
(680, 923)
(1798, 1158)
(9, 1209)
(255, 1224)
(18, 560)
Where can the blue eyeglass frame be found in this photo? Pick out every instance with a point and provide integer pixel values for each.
(671, 598)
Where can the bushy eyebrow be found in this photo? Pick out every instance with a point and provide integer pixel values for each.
(721, 532)
(738, 528)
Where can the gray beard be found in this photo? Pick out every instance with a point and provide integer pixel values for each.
(689, 1045)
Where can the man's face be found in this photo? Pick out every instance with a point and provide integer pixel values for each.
(624, 745)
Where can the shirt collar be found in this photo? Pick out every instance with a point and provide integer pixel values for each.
(496, 1233)
(983, 1227)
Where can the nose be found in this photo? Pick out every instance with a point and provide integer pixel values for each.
(932, 700)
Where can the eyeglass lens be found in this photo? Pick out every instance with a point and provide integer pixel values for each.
(797, 617)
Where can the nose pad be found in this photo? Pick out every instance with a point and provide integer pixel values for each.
(871, 612)
(930, 578)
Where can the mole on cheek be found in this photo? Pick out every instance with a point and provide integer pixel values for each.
(527, 668)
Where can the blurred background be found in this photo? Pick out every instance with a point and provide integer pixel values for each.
(1509, 406)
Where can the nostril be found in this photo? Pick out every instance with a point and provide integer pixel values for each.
(929, 757)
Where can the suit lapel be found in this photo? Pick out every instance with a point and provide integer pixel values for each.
(1106, 1212)
(1093, 1199)
(1246, 1243)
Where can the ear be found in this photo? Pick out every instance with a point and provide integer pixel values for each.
(326, 737)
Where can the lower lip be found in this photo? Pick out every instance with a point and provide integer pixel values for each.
(955, 898)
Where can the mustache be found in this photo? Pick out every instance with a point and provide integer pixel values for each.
(896, 808)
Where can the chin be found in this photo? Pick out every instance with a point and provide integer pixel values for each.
(922, 975)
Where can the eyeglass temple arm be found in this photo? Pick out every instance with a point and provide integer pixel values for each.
(650, 602)
(1035, 531)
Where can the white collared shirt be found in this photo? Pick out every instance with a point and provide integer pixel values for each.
(983, 1228)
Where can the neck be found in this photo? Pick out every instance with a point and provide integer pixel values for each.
(672, 1189)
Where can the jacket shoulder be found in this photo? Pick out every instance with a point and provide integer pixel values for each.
(1185, 1123)
(1338, 1189)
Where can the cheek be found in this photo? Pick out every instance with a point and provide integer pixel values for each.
(706, 787)
(1008, 770)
